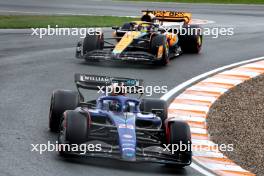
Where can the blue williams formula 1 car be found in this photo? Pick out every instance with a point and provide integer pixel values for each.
(126, 128)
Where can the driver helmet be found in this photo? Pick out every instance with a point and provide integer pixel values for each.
(149, 17)
(117, 89)
(115, 106)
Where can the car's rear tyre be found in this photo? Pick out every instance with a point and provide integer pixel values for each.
(156, 42)
(191, 43)
(178, 133)
(61, 100)
(93, 42)
(148, 105)
(146, 18)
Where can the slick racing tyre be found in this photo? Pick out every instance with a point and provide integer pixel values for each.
(74, 130)
(192, 42)
(93, 42)
(150, 105)
(76, 127)
(61, 100)
(178, 133)
(159, 48)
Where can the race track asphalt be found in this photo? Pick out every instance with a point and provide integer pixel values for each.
(30, 68)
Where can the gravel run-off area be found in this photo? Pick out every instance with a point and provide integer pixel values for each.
(237, 118)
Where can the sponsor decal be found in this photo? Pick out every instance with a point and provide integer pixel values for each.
(128, 145)
(50, 147)
(129, 140)
(127, 136)
(131, 149)
(148, 90)
(94, 78)
(126, 126)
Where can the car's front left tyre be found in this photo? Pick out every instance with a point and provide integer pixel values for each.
(159, 48)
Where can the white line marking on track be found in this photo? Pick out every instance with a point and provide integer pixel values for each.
(253, 66)
(187, 118)
(223, 81)
(198, 130)
(226, 167)
(240, 73)
(196, 97)
(208, 154)
(182, 106)
(208, 89)
(202, 142)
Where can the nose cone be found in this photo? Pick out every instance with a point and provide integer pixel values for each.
(126, 40)
(127, 135)
(127, 141)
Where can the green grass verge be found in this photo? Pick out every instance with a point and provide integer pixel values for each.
(22, 22)
(211, 1)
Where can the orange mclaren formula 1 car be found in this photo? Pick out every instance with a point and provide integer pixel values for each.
(147, 40)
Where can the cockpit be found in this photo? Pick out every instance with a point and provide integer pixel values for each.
(119, 104)
(140, 26)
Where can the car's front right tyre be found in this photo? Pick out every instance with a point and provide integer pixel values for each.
(159, 48)
(93, 42)
(178, 134)
(61, 100)
(74, 130)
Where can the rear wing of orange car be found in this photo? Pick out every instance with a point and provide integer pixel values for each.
(170, 16)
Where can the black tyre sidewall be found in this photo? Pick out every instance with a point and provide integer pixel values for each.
(180, 133)
(147, 105)
(61, 101)
(93, 42)
(77, 127)
(157, 41)
(189, 43)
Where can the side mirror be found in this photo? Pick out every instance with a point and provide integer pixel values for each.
(115, 27)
